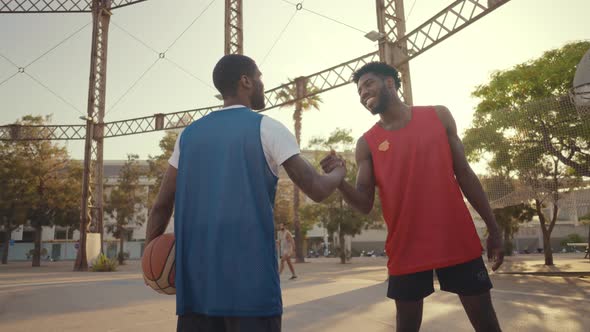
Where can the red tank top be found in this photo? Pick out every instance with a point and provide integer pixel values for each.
(428, 223)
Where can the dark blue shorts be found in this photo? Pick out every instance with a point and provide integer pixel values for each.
(470, 278)
(201, 323)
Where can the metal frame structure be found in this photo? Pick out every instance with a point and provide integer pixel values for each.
(396, 47)
(392, 26)
(452, 19)
(92, 183)
(56, 6)
(234, 36)
(91, 212)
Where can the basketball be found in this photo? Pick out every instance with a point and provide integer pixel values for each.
(158, 264)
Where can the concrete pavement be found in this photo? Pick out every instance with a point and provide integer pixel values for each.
(328, 296)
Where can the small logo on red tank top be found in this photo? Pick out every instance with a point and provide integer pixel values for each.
(384, 146)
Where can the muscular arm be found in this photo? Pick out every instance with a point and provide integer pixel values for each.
(162, 209)
(317, 187)
(467, 179)
(363, 196)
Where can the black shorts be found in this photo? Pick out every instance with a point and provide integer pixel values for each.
(201, 323)
(470, 278)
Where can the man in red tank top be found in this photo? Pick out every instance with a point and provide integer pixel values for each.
(416, 159)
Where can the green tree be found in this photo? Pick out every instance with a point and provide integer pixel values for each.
(41, 187)
(526, 129)
(55, 182)
(16, 192)
(509, 216)
(509, 219)
(283, 209)
(157, 165)
(126, 202)
(571, 238)
(523, 103)
(333, 213)
(290, 94)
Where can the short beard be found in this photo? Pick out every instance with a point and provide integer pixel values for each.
(384, 99)
(258, 100)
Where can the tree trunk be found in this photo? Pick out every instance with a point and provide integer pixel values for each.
(547, 248)
(37, 250)
(297, 227)
(296, 222)
(546, 231)
(340, 233)
(507, 243)
(121, 240)
(342, 248)
(6, 246)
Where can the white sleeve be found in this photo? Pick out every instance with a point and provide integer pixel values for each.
(278, 143)
(175, 157)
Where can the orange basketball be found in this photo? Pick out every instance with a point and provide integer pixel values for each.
(158, 264)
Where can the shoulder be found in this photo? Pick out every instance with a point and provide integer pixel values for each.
(362, 151)
(271, 124)
(277, 140)
(445, 116)
(273, 129)
(362, 143)
(443, 112)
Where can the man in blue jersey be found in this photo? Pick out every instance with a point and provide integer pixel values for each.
(221, 183)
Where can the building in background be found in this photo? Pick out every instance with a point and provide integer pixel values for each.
(60, 243)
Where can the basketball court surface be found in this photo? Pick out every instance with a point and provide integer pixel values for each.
(328, 296)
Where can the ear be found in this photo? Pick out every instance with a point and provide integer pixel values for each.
(390, 83)
(246, 82)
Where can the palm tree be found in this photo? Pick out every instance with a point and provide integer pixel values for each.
(289, 95)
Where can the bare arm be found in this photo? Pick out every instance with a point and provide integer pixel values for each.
(467, 179)
(162, 209)
(363, 196)
(469, 183)
(317, 187)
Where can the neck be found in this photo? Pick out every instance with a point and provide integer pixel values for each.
(231, 101)
(396, 111)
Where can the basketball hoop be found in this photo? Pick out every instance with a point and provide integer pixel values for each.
(580, 94)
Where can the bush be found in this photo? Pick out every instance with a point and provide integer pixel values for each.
(572, 238)
(32, 252)
(104, 264)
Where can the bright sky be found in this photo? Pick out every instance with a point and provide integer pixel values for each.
(446, 74)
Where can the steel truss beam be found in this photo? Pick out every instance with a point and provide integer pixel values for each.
(234, 32)
(56, 6)
(446, 23)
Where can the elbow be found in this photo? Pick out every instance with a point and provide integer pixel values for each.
(318, 197)
(320, 194)
(464, 172)
(365, 209)
(463, 176)
(361, 207)
(160, 208)
(156, 208)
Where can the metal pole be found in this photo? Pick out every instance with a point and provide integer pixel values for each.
(92, 207)
(392, 24)
(234, 36)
